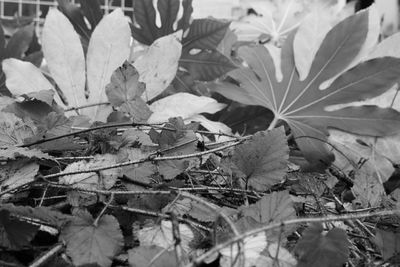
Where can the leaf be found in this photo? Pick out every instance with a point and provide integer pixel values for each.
(75, 15)
(124, 92)
(263, 159)
(278, 17)
(108, 49)
(92, 180)
(2, 43)
(42, 214)
(150, 255)
(13, 130)
(388, 243)
(274, 207)
(89, 243)
(92, 11)
(303, 105)
(368, 189)
(15, 234)
(316, 249)
(23, 77)
(200, 56)
(146, 30)
(19, 42)
(12, 153)
(17, 173)
(64, 56)
(184, 105)
(161, 235)
(158, 66)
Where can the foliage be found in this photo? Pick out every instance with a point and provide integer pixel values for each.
(115, 152)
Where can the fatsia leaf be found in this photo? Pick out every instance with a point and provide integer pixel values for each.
(317, 249)
(2, 43)
(23, 77)
(64, 56)
(19, 42)
(15, 234)
(184, 105)
(124, 92)
(108, 49)
(303, 105)
(278, 17)
(75, 15)
(92, 11)
(92, 242)
(150, 255)
(146, 30)
(263, 159)
(158, 66)
(200, 56)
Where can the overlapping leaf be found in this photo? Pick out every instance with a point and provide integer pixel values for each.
(146, 30)
(302, 104)
(317, 249)
(90, 242)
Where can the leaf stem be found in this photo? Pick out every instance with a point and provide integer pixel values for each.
(273, 123)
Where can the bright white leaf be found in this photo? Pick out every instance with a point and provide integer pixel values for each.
(157, 67)
(63, 52)
(108, 48)
(212, 126)
(23, 77)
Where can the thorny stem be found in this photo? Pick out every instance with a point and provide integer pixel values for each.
(325, 219)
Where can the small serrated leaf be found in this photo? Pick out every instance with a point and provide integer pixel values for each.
(316, 249)
(92, 244)
(263, 159)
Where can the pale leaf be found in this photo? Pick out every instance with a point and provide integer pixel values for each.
(63, 52)
(109, 47)
(23, 77)
(158, 66)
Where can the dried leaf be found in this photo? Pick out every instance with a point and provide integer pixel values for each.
(263, 159)
(89, 243)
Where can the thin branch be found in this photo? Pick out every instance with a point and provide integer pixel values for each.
(217, 248)
(49, 254)
(151, 158)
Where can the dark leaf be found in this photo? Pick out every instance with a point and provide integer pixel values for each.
(19, 42)
(2, 43)
(150, 255)
(388, 243)
(317, 249)
(74, 14)
(90, 243)
(263, 159)
(145, 29)
(92, 11)
(15, 234)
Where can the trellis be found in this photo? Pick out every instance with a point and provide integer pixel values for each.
(37, 8)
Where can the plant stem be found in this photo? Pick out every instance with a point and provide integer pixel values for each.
(273, 123)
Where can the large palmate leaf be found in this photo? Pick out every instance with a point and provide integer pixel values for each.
(146, 31)
(199, 46)
(303, 105)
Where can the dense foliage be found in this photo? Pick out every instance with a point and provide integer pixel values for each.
(171, 141)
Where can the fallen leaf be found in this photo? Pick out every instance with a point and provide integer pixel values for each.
(89, 243)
